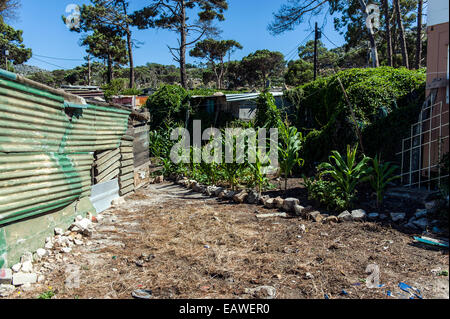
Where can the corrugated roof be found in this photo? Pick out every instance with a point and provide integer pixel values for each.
(247, 96)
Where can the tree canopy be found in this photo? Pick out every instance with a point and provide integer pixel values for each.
(214, 52)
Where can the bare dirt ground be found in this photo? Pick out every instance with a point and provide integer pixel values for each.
(181, 244)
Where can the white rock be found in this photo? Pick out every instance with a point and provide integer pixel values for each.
(298, 210)
(358, 214)
(6, 290)
(26, 287)
(302, 228)
(16, 267)
(48, 240)
(345, 216)
(27, 267)
(78, 242)
(41, 252)
(262, 292)
(397, 216)
(66, 250)
(21, 278)
(289, 204)
(48, 245)
(40, 278)
(59, 231)
(78, 218)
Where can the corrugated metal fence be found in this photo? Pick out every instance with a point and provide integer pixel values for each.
(47, 147)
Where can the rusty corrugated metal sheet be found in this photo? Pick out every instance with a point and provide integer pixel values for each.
(45, 155)
(96, 128)
(34, 183)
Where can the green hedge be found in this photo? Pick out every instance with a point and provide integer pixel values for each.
(385, 100)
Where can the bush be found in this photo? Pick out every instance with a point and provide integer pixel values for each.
(385, 100)
(114, 87)
(325, 193)
(267, 113)
(168, 104)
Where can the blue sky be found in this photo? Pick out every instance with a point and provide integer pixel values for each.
(246, 21)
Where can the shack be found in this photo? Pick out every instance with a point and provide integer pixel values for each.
(60, 156)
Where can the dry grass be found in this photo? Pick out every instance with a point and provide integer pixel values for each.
(203, 248)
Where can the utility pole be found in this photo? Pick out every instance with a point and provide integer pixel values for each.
(315, 50)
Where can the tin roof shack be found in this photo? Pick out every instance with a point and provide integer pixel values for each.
(84, 91)
(133, 101)
(51, 144)
(243, 106)
(436, 119)
(237, 106)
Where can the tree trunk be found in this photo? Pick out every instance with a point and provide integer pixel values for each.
(419, 35)
(183, 47)
(110, 69)
(373, 46)
(402, 35)
(130, 47)
(130, 57)
(388, 32)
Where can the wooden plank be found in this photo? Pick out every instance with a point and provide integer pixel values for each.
(108, 171)
(104, 156)
(126, 163)
(126, 170)
(127, 156)
(126, 143)
(126, 183)
(100, 168)
(126, 190)
(108, 177)
(126, 149)
(126, 176)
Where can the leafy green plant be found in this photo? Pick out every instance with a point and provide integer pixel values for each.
(168, 104)
(346, 172)
(326, 193)
(232, 167)
(380, 175)
(289, 146)
(267, 114)
(258, 171)
(114, 87)
(47, 295)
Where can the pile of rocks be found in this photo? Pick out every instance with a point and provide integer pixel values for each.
(292, 206)
(26, 273)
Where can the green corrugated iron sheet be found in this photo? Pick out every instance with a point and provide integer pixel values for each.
(46, 157)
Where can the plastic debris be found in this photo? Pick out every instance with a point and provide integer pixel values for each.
(326, 296)
(389, 293)
(142, 294)
(432, 241)
(414, 292)
(344, 293)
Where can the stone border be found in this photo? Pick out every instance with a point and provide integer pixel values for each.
(292, 207)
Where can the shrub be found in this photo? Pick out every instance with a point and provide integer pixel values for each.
(114, 87)
(325, 193)
(381, 174)
(375, 93)
(267, 113)
(168, 104)
(346, 172)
